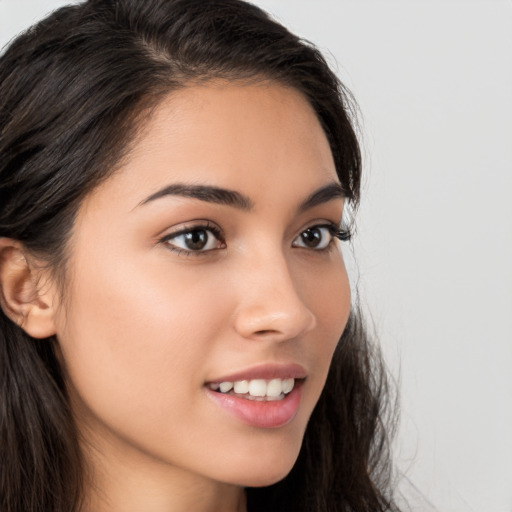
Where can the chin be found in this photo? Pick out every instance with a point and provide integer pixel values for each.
(262, 471)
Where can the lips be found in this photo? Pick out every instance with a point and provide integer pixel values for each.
(265, 396)
(266, 371)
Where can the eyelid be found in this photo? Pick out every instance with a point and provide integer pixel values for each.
(344, 234)
(195, 225)
(337, 230)
(334, 229)
(187, 226)
(340, 231)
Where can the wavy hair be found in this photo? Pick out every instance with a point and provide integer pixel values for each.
(74, 90)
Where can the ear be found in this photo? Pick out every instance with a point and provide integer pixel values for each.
(21, 297)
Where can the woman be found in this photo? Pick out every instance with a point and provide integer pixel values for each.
(177, 329)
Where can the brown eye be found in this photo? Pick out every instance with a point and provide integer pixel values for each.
(315, 237)
(195, 239)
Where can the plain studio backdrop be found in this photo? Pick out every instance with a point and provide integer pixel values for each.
(434, 246)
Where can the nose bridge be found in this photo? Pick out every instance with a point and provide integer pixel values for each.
(271, 305)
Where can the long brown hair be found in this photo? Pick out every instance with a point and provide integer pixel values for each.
(72, 90)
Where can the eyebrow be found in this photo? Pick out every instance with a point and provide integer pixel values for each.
(324, 194)
(218, 195)
(206, 193)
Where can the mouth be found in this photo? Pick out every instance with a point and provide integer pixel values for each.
(265, 396)
(260, 390)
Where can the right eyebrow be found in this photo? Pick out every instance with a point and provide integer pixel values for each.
(208, 193)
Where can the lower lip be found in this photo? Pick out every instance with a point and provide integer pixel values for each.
(262, 414)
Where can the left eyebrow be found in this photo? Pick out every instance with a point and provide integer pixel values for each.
(323, 195)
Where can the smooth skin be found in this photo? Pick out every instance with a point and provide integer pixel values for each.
(153, 311)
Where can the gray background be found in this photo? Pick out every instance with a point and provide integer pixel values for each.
(434, 246)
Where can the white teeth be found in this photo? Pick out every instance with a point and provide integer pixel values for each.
(241, 387)
(275, 387)
(272, 389)
(225, 387)
(288, 385)
(257, 387)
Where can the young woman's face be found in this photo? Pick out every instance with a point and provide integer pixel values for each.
(207, 258)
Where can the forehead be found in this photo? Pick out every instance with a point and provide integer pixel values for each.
(234, 135)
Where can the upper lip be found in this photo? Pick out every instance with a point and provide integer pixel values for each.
(265, 371)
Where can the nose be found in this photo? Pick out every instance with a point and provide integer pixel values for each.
(270, 307)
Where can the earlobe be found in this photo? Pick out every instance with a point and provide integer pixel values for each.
(21, 297)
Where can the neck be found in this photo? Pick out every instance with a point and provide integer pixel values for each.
(150, 498)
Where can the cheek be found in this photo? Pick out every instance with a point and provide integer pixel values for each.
(137, 351)
(137, 340)
(327, 293)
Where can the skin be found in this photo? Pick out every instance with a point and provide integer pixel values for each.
(144, 326)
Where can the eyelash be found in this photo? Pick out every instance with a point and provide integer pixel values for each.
(208, 227)
(335, 231)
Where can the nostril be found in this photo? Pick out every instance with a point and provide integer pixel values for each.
(267, 331)
(279, 317)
